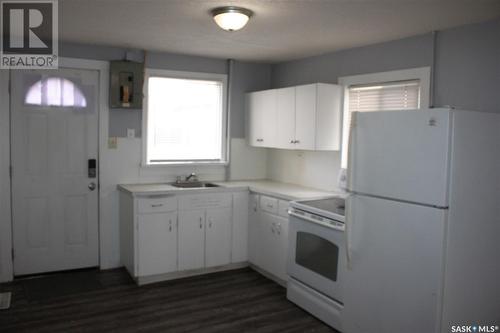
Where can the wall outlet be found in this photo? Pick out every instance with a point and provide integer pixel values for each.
(112, 142)
(130, 133)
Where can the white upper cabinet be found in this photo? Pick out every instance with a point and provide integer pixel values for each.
(305, 117)
(328, 116)
(261, 118)
(285, 106)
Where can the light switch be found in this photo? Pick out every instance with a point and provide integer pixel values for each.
(112, 142)
(130, 133)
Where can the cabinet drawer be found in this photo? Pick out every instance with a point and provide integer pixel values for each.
(203, 201)
(156, 204)
(283, 208)
(269, 204)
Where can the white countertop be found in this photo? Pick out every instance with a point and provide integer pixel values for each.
(268, 187)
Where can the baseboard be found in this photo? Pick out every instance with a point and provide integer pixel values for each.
(268, 275)
(177, 275)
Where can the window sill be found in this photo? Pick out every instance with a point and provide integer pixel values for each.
(170, 164)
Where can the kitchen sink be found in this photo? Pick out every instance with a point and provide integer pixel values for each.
(194, 185)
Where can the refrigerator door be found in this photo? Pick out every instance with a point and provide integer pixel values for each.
(401, 155)
(394, 269)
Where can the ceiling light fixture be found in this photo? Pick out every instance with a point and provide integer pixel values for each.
(231, 18)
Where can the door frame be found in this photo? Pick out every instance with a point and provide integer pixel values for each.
(6, 222)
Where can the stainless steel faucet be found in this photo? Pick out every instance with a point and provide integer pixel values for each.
(193, 176)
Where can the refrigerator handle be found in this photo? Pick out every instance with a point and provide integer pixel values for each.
(348, 222)
(352, 125)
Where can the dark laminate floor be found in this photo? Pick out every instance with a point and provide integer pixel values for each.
(235, 301)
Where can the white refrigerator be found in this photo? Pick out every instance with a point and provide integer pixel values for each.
(422, 221)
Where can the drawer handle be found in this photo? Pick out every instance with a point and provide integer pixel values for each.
(156, 205)
(270, 205)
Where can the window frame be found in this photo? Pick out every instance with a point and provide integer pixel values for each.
(150, 72)
(423, 74)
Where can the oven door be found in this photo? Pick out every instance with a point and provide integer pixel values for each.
(316, 256)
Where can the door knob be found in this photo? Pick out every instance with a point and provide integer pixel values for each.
(92, 186)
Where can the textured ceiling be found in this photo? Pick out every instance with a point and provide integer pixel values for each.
(280, 29)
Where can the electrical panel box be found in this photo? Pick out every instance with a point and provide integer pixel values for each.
(126, 80)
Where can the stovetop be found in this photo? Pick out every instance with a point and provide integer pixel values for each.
(325, 207)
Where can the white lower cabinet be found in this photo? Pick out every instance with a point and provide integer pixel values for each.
(204, 238)
(218, 237)
(157, 238)
(205, 233)
(253, 226)
(191, 239)
(268, 234)
(169, 236)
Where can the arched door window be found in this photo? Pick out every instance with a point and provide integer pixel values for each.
(55, 91)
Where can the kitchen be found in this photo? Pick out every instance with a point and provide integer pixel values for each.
(277, 132)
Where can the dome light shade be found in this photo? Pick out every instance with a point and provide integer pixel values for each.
(231, 18)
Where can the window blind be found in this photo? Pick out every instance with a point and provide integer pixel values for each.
(386, 96)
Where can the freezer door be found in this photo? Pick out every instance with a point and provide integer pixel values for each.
(401, 155)
(394, 272)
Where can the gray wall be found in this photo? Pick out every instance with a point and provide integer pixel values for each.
(405, 53)
(245, 77)
(467, 68)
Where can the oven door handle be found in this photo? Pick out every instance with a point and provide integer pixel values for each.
(307, 218)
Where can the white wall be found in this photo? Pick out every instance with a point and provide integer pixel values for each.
(247, 162)
(307, 168)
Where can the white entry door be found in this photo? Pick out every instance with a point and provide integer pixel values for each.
(54, 122)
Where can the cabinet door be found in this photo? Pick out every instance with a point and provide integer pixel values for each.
(268, 119)
(305, 117)
(266, 252)
(285, 110)
(253, 229)
(253, 118)
(240, 218)
(328, 116)
(281, 234)
(218, 237)
(191, 239)
(273, 236)
(261, 115)
(157, 248)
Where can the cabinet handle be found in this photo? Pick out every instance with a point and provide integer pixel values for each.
(297, 141)
(156, 205)
(201, 222)
(260, 140)
(170, 228)
(292, 141)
